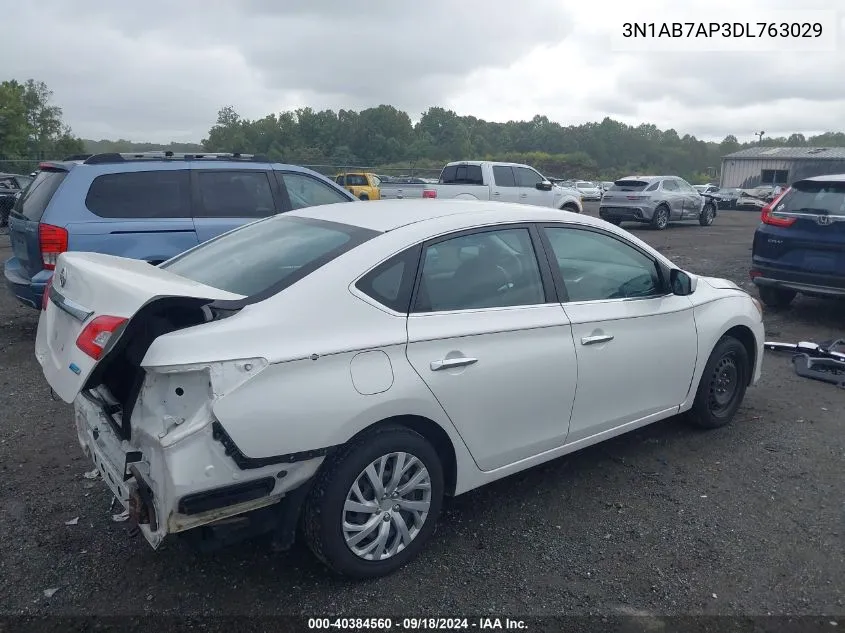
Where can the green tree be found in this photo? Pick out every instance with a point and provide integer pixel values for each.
(31, 125)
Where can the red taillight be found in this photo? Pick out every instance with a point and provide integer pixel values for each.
(53, 242)
(46, 296)
(95, 336)
(429, 193)
(755, 273)
(636, 197)
(773, 220)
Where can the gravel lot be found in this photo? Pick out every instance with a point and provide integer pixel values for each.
(667, 520)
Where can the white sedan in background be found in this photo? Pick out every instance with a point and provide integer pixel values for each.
(344, 370)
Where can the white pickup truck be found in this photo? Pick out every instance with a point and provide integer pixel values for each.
(485, 180)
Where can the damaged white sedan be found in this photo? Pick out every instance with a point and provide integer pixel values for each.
(344, 370)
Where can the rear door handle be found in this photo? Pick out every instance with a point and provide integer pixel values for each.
(451, 363)
(595, 340)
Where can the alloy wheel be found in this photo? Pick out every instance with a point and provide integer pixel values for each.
(386, 506)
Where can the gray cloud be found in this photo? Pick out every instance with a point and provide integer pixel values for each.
(158, 67)
(160, 70)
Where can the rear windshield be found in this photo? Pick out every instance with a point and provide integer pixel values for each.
(822, 198)
(461, 175)
(267, 255)
(629, 185)
(36, 197)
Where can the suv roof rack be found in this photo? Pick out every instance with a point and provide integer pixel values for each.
(123, 157)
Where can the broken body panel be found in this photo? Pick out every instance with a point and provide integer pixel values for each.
(171, 467)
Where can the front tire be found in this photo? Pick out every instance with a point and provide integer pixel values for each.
(708, 213)
(361, 518)
(571, 208)
(776, 297)
(723, 384)
(660, 219)
(363, 196)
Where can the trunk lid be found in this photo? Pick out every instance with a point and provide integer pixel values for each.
(25, 217)
(97, 295)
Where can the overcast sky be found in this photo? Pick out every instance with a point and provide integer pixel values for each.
(159, 70)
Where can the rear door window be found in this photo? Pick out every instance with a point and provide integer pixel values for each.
(35, 198)
(234, 194)
(462, 175)
(503, 175)
(141, 195)
(305, 191)
(670, 185)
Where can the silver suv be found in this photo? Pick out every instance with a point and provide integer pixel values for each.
(655, 200)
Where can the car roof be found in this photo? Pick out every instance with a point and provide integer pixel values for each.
(388, 215)
(825, 178)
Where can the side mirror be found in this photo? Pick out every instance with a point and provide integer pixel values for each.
(681, 283)
(544, 185)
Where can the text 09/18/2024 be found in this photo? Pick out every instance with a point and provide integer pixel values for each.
(794, 31)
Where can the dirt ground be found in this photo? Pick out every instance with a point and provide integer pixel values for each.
(666, 520)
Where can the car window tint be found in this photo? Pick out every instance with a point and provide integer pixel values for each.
(235, 194)
(462, 175)
(480, 270)
(503, 175)
(670, 185)
(141, 194)
(305, 191)
(595, 266)
(653, 186)
(391, 282)
(527, 177)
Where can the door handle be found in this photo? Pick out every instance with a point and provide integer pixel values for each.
(523, 195)
(496, 193)
(451, 363)
(595, 340)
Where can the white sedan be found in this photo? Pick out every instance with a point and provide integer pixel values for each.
(344, 370)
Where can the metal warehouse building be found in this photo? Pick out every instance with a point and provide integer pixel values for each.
(756, 166)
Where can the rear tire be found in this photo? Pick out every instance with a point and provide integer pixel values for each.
(660, 219)
(776, 297)
(723, 384)
(326, 519)
(363, 196)
(570, 207)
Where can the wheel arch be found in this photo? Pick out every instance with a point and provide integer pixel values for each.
(744, 335)
(433, 433)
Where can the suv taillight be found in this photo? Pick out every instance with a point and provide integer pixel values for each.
(95, 336)
(429, 193)
(52, 241)
(773, 220)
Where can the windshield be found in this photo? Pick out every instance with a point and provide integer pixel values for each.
(272, 253)
(821, 198)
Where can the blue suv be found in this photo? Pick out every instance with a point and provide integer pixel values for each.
(800, 246)
(148, 206)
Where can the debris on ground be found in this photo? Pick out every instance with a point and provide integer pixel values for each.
(92, 474)
(819, 361)
(73, 521)
(49, 593)
(120, 518)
